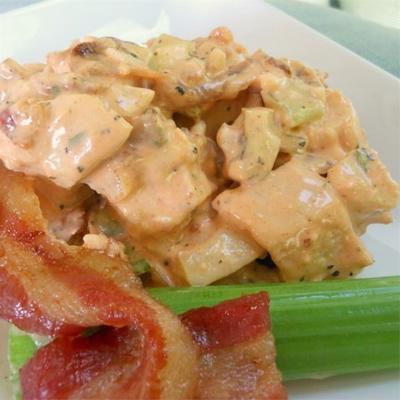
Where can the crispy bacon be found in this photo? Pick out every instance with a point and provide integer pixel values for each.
(230, 322)
(144, 351)
(238, 363)
(238, 352)
(48, 287)
(111, 364)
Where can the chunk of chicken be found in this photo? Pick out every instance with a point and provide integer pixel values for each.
(61, 126)
(156, 180)
(185, 74)
(298, 218)
(250, 145)
(365, 187)
(337, 132)
(74, 133)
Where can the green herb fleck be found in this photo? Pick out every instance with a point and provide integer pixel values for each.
(133, 54)
(302, 143)
(55, 90)
(107, 225)
(363, 158)
(195, 150)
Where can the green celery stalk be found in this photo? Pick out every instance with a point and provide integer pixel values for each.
(321, 329)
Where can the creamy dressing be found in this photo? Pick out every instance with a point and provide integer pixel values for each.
(308, 232)
(207, 157)
(156, 180)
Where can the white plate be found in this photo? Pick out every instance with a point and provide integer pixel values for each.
(29, 33)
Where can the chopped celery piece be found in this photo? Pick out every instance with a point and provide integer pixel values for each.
(141, 267)
(299, 103)
(303, 113)
(321, 328)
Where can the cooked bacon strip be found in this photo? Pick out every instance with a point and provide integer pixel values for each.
(238, 359)
(110, 364)
(51, 288)
(238, 352)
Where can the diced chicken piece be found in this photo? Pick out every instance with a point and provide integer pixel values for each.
(62, 125)
(103, 56)
(250, 145)
(205, 69)
(62, 208)
(54, 199)
(202, 252)
(298, 218)
(65, 225)
(365, 187)
(68, 137)
(156, 180)
(221, 253)
(185, 74)
(128, 101)
(337, 132)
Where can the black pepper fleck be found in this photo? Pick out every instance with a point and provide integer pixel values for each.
(195, 150)
(330, 266)
(180, 90)
(80, 169)
(335, 273)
